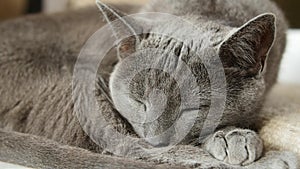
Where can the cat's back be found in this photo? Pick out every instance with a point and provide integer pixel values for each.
(233, 13)
(230, 12)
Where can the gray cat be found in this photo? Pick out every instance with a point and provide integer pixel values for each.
(38, 54)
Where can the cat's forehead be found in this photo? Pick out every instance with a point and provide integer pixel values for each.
(196, 37)
(188, 46)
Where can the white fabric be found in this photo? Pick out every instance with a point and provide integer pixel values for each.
(290, 67)
(10, 166)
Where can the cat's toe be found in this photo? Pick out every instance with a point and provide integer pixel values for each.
(236, 147)
(216, 146)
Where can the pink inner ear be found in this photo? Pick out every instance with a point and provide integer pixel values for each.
(121, 27)
(126, 47)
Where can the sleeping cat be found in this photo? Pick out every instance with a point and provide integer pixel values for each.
(38, 54)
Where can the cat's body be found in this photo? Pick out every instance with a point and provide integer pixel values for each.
(38, 54)
(36, 64)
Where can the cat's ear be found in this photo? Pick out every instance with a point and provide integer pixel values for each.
(122, 27)
(248, 47)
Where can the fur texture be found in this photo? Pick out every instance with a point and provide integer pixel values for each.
(38, 54)
(241, 39)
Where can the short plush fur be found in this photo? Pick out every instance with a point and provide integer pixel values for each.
(38, 54)
(241, 38)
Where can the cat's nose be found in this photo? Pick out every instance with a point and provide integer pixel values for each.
(156, 105)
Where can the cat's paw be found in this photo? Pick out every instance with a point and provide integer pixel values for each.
(235, 146)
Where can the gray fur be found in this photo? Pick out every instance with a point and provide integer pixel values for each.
(38, 54)
(243, 39)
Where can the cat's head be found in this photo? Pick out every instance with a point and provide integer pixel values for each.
(150, 99)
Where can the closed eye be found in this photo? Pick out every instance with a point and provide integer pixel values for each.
(189, 110)
(194, 109)
(141, 103)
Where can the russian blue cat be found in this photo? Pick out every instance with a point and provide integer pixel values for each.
(38, 53)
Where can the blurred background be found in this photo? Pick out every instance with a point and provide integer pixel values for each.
(290, 70)
(15, 8)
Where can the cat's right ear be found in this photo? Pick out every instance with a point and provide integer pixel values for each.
(122, 27)
(247, 49)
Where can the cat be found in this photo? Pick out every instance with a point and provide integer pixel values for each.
(38, 54)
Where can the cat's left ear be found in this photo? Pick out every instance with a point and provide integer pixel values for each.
(122, 27)
(248, 47)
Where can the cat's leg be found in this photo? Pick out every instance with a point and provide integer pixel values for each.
(231, 148)
(234, 146)
(195, 157)
(37, 152)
